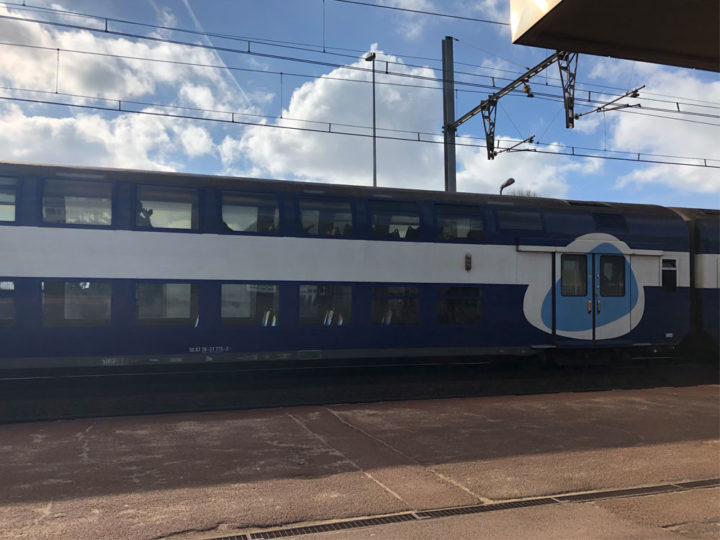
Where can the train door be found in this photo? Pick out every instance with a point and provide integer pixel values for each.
(592, 296)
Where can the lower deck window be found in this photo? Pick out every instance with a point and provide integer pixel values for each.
(394, 305)
(166, 303)
(7, 303)
(252, 304)
(76, 303)
(459, 305)
(326, 305)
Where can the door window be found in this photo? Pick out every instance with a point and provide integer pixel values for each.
(573, 277)
(612, 275)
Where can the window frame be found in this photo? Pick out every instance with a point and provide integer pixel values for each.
(575, 256)
(330, 200)
(421, 226)
(447, 210)
(374, 296)
(347, 319)
(75, 323)
(604, 283)
(169, 321)
(252, 321)
(113, 203)
(10, 294)
(15, 186)
(441, 296)
(250, 194)
(195, 217)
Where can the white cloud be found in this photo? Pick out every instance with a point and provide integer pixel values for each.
(196, 141)
(284, 153)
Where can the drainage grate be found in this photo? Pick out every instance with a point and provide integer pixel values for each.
(475, 509)
(329, 527)
(617, 493)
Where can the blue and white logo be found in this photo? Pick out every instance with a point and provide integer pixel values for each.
(589, 311)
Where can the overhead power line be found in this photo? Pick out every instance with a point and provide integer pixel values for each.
(331, 129)
(420, 12)
(318, 49)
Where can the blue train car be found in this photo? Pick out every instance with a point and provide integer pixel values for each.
(105, 268)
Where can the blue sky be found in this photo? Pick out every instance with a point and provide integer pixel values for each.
(193, 135)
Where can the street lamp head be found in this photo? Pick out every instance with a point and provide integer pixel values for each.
(370, 57)
(507, 183)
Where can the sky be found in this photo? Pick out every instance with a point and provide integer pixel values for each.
(281, 89)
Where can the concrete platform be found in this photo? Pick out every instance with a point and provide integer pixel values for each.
(207, 475)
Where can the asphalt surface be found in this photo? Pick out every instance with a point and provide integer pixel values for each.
(213, 474)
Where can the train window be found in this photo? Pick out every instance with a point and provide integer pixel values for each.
(166, 303)
(325, 217)
(7, 198)
(326, 305)
(77, 202)
(459, 305)
(573, 275)
(669, 275)
(526, 219)
(167, 208)
(612, 275)
(76, 303)
(568, 223)
(251, 213)
(393, 219)
(252, 304)
(609, 222)
(459, 223)
(394, 305)
(7, 303)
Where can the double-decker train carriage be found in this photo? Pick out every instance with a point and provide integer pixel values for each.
(102, 267)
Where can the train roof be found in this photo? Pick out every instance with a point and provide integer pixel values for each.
(259, 184)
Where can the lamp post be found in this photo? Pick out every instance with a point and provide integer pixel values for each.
(371, 58)
(506, 183)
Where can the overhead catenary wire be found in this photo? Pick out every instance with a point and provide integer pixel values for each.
(232, 119)
(421, 12)
(579, 99)
(322, 50)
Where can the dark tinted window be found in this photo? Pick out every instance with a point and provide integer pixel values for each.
(7, 198)
(459, 305)
(254, 304)
(325, 217)
(326, 305)
(609, 222)
(251, 213)
(7, 303)
(459, 223)
(394, 305)
(392, 219)
(166, 303)
(612, 275)
(669, 275)
(573, 275)
(527, 219)
(568, 223)
(76, 303)
(167, 208)
(76, 202)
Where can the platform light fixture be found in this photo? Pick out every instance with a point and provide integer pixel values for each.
(371, 58)
(507, 183)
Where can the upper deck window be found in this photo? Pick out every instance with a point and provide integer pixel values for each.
(394, 219)
(250, 212)
(459, 222)
(326, 217)
(525, 219)
(167, 207)
(8, 187)
(77, 202)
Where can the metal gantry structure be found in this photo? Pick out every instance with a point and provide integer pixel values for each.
(567, 63)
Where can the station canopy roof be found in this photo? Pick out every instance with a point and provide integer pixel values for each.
(683, 33)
